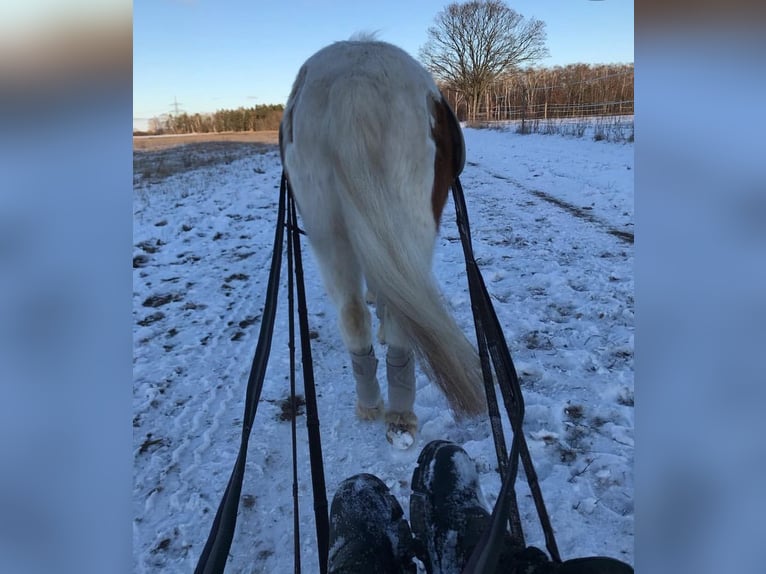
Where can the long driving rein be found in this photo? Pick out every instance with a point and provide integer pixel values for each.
(497, 365)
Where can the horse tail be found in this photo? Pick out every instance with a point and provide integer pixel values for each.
(384, 163)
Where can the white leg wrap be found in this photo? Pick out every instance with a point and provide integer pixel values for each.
(367, 388)
(400, 372)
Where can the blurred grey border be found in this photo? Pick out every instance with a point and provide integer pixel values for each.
(701, 286)
(65, 287)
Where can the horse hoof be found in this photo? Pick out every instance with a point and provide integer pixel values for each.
(399, 438)
(401, 429)
(369, 413)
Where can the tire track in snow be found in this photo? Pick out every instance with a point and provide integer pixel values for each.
(579, 212)
(207, 418)
(223, 396)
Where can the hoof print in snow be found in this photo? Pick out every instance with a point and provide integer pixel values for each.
(538, 340)
(161, 545)
(237, 336)
(150, 246)
(247, 321)
(244, 255)
(140, 260)
(153, 318)
(160, 300)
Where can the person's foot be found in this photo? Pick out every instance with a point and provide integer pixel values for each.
(446, 507)
(448, 518)
(368, 532)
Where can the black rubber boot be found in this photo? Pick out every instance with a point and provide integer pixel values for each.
(448, 519)
(446, 512)
(368, 532)
(448, 516)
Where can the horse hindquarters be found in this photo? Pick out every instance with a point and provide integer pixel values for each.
(359, 147)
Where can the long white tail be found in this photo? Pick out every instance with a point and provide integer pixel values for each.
(384, 169)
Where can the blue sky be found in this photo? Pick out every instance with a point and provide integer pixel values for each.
(225, 54)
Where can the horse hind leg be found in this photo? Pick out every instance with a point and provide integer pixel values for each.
(401, 421)
(343, 277)
(369, 403)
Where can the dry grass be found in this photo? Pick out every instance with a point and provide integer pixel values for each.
(153, 143)
(158, 157)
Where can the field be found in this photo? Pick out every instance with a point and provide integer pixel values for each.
(153, 143)
(552, 221)
(157, 157)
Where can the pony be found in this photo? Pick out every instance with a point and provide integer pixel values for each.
(370, 148)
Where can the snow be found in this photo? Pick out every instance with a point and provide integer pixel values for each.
(552, 223)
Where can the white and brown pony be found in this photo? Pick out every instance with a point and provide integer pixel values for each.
(370, 148)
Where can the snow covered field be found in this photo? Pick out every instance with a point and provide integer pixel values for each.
(552, 223)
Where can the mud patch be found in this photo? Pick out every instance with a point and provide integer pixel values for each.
(290, 409)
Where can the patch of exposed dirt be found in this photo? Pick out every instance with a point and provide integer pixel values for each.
(291, 410)
(158, 157)
(153, 143)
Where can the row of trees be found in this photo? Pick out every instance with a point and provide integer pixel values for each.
(575, 90)
(257, 118)
(558, 92)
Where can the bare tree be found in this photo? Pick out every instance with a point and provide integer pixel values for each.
(472, 44)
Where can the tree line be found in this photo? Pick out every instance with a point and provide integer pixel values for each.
(575, 90)
(256, 118)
